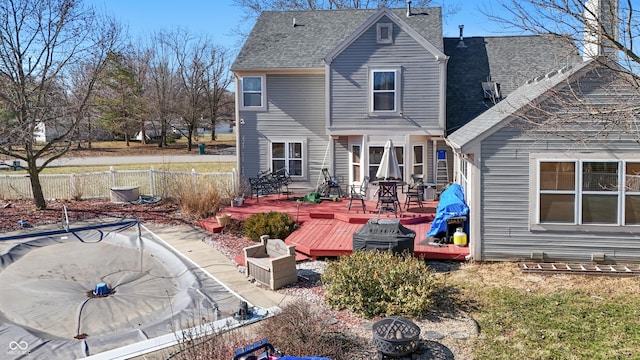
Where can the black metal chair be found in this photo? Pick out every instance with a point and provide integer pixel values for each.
(282, 179)
(415, 191)
(358, 193)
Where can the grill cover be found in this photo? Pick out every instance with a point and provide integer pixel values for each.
(382, 234)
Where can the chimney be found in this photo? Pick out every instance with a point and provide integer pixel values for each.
(601, 21)
(408, 8)
(461, 43)
(294, 22)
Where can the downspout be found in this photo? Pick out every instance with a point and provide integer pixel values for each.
(239, 122)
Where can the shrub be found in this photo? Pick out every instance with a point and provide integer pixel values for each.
(372, 283)
(276, 225)
(302, 330)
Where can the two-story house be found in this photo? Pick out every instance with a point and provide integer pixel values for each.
(328, 88)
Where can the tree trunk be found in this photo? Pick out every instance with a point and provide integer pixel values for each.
(38, 196)
(189, 139)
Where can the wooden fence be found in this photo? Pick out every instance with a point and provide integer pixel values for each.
(98, 185)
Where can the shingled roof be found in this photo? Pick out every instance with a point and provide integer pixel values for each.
(490, 121)
(507, 60)
(274, 43)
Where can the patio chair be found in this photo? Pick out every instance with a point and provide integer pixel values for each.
(358, 193)
(415, 190)
(331, 186)
(272, 262)
(282, 179)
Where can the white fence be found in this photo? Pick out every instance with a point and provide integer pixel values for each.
(98, 184)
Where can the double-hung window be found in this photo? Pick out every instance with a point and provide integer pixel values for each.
(589, 192)
(253, 92)
(418, 160)
(355, 162)
(375, 158)
(288, 155)
(385, 91)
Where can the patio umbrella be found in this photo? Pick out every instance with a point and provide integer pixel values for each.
(389, 168)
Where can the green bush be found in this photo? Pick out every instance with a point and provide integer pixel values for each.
(276, 225)
(372, 283)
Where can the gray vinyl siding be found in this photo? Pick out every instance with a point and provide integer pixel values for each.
(295, 111)
(505, 205)
(420, 83)
(341, 160)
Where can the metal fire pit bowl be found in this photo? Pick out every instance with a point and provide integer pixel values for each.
(396, 336)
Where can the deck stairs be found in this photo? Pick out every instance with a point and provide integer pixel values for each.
(589, 269)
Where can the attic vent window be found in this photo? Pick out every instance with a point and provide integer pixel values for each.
(491, 90)
(384, 33)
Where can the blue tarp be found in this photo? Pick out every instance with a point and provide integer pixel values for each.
(451, 204)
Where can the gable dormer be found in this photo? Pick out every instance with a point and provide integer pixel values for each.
(384, 20)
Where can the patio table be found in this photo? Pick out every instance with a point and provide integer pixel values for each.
(388, 195)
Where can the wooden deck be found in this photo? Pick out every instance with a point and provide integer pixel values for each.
(326, 229)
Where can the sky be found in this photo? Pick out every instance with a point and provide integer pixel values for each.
(217, 18)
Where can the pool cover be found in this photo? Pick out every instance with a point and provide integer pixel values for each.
(47, 280)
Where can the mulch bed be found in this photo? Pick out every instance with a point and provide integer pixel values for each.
(17, 214)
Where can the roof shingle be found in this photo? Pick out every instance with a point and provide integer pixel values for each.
(274, 43)
(508, 60)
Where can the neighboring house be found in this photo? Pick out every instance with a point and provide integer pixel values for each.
(550, 173)
(328, 88)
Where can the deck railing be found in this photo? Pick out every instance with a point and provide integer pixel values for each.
(98, 185)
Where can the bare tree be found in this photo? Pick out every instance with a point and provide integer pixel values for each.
(597, 26)
(51, 52)
(162, 84)
(257, 6)
(604, 31)
(216, 81)
(198, 64)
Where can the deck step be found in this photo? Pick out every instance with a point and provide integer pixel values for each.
(591, 269)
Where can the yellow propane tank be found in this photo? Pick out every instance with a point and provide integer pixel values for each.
(459, 237)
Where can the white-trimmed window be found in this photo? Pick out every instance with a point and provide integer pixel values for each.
(400, 156)
(384, 33)
(288, 155)
(418, 159)
(252, 92)
(375, 158)
(356, 162)
(384, 91)
(588, 192)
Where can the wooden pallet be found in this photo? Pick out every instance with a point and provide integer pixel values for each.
(590, 269)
